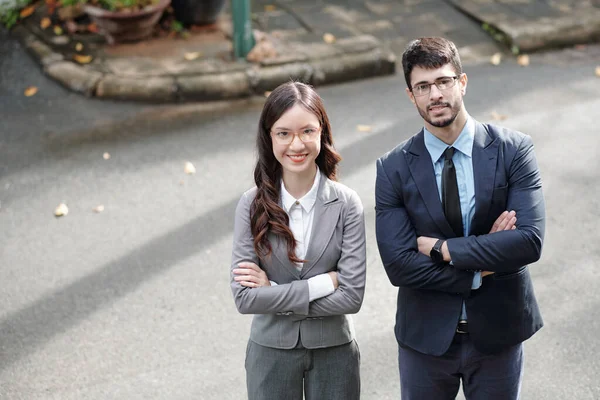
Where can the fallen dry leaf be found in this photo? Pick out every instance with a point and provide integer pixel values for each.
(106, 156)
(598, 71)
(363, 128)
(98, 209)
(71, 26)
(45, 23)
(30, 91)
(496, 59)
(192, 56)
(61, 210)
(269, 7)
(328, 38)
(92, 28)
(27, 11)
(82, 59)
(58, 30)
(189, 168)
(523, 60)
(498, 117)
(79, 46)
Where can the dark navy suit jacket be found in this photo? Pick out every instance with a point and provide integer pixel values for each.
(503, 311)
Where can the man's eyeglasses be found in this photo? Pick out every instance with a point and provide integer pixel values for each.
(443, 83)
(287, 137)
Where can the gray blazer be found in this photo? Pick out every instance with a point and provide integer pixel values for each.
(283, 312)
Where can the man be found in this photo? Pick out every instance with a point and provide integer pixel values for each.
(459, 258)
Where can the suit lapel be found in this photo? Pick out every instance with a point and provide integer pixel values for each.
(327, 211)
(280, 251)
(485, 155)
(421, 169)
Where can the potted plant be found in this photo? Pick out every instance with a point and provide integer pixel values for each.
(197, 12)
(125, 20)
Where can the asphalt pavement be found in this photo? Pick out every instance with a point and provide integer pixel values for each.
(134, 303)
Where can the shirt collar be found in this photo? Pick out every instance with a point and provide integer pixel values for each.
(464, 142)
(307, 201)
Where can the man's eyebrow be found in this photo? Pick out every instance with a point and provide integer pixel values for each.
(436, 79)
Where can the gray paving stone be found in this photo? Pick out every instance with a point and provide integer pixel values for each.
(154, 89)
(75, 77)
(135, 67)
(357, 44)
(214, 87)
(353, 66)
(315, 51)
(44, 53)
(268, 78)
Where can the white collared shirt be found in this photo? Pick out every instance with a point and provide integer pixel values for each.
(301, 213)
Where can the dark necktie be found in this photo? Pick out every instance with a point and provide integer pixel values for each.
(450, 196)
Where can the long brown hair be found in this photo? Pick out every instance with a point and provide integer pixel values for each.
(266, 216)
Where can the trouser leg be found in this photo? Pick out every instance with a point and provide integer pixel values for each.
(334, 373)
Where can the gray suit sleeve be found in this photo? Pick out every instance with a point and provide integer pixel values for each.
(287, 298)
(351, 267)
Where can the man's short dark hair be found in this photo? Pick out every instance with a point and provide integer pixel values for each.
(429, 53)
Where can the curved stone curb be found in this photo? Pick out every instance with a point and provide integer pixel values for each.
(348, 59)
(573, 26)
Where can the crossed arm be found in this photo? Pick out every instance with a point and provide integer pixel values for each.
(405, 256)
(254, 294)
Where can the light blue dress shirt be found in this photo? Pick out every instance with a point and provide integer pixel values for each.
(463, 162)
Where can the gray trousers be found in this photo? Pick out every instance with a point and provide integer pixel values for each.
(331, 373)
(484, 376)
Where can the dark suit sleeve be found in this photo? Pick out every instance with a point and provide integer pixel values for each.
(507, 251)
(397, 243)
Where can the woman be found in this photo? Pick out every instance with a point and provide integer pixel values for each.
(299, 258)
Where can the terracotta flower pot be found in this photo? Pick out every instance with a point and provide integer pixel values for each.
(120, 26)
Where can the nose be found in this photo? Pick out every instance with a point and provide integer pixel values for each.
(296, 142)
(434, 92)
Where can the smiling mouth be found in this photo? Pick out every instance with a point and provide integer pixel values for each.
(437, 107)
(297, 157)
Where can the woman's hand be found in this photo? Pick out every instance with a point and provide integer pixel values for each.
(334, 278)
(250, 275)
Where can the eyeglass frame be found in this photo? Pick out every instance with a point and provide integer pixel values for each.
(455, 78)
(294, 134)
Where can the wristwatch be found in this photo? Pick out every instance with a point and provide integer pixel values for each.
(436, 251)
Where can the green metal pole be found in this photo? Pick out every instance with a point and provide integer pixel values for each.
(243, 40)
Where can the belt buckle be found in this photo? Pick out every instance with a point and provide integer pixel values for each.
(462, 327)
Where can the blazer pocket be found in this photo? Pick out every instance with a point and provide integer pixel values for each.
(498, 276)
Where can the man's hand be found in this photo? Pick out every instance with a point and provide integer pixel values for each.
(250, 275)
(426, 244)
(505, 222)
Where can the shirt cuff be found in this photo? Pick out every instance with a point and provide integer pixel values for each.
(319, 286)
(476, 281)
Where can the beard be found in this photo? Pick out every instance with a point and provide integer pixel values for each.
(440, 123)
